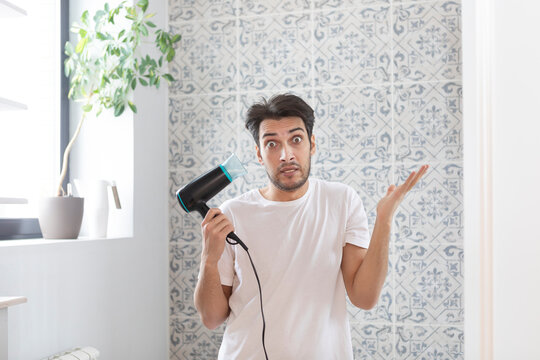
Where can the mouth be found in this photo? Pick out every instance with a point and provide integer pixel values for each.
(288, 170)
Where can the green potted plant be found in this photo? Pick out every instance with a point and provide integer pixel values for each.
(104, 67)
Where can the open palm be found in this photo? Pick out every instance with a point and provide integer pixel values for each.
(395, 194)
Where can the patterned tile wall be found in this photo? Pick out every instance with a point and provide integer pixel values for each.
(384, 78)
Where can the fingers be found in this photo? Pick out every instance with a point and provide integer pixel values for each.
(213, 212)
(417, 176)
(215, 223)
(411, 181)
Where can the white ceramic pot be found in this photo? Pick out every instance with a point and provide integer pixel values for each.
(60, 217)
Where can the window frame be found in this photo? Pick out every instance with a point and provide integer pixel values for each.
(28, 228)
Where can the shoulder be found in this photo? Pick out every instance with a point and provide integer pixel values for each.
(241, 201)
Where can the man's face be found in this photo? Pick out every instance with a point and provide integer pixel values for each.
(284, 150)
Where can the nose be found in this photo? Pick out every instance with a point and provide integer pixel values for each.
(287, 154)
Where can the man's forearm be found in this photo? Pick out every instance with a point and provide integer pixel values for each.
(210, 300)
(370, 276)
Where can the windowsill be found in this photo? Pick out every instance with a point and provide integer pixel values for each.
(41, 241)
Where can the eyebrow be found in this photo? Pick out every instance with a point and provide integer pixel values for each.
(290, 131)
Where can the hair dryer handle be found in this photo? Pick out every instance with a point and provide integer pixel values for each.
(203, 210)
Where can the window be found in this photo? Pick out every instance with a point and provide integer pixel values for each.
(30, 102)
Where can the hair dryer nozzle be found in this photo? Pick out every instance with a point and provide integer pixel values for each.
(233, 168)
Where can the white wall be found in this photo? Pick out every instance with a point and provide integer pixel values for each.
(516, 175)
(112, 293)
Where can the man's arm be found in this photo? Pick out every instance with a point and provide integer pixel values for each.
(364, 271)
(211, 298)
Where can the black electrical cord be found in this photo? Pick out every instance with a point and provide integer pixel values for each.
(238, 242)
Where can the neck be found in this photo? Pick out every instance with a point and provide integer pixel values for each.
(272, 193)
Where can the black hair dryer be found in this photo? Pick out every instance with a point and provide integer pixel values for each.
(195, 194)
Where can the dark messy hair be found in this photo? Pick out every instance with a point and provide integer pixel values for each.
(277, 107)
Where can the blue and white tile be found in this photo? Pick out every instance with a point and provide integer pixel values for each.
(246, 144)
(427, 122)
(188, 10)
(189, 339)
(432, 212)
(266, 7)
(339, 4)
(427, 41)
(351, 47)
(429, 342)
(275, 52)
(429, 284)
(181, 290)
(204, 131)
(207, 57)
(353, 125)
(372, 341)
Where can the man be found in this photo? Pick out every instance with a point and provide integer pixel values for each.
(309, 241)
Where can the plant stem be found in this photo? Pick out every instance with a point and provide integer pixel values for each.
(60, 190)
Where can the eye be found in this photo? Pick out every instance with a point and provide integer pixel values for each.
(297, 139)
(271, 144)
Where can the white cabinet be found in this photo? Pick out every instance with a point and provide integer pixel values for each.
(5, 303)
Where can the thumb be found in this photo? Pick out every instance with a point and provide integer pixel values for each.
(391, 189)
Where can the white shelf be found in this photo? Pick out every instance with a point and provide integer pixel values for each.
(8, 9)
(7, 301)
(6, 200)
(6, 104)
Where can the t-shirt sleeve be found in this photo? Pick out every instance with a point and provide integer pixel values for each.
(357, 231)
(226, 263)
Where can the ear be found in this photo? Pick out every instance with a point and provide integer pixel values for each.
(259, 157)
(312, 150)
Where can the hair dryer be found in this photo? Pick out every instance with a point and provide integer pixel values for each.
(194, 195)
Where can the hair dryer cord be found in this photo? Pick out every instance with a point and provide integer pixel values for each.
(237, 241)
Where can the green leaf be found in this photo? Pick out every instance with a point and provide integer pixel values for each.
(84, 17)
(168, 77)
(97, 17)
(121, 33)
(170, 54)
(163, 45)
(67, 67)
(143, 82)
(68, 47)
(144, 30)
(81, 45)
(150, 24)
(119, 109)
(87, 107)
(82, 33)
(143, 4)
(101, 36)
(160, 62)
(176, 38)
(132, 106)
(133, 84)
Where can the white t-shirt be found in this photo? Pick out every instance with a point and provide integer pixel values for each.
(296, 247)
